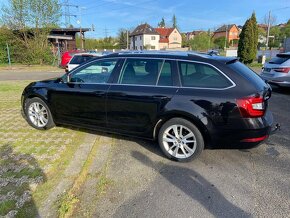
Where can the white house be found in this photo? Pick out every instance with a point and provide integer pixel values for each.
(144, 37)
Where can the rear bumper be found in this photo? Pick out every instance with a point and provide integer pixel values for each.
(280, 81)
(252, 132)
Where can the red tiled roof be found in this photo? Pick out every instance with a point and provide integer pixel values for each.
(164, 31)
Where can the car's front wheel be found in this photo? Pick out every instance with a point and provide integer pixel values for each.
(38, 114)
(180, 140)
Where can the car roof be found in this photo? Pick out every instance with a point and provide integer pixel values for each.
(88, 54)
(180, 55)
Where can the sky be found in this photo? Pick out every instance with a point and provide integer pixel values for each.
(108, 16)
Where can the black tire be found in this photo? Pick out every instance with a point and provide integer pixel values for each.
(50, 123)
(187, 126)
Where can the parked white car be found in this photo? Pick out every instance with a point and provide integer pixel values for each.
(277, 70)
(81, 58)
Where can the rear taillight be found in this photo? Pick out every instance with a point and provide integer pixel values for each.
(251, 106)
(282, 70)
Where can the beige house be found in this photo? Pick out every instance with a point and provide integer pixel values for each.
(144, 37)
(169, 38)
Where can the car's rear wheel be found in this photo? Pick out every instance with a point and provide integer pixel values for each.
(180, 140)
(38, 114)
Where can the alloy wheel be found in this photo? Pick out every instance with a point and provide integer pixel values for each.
(179, 141)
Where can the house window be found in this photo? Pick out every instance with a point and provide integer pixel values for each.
(152, 37)
(140, 37)
(136, 48)
(152, 47)
(175, 38)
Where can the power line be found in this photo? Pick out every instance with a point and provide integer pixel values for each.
(67, 13)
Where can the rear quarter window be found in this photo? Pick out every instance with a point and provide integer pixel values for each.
(202, 76)
(248, 74)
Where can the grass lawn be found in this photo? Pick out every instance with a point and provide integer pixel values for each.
(31, 161)
(30, 68)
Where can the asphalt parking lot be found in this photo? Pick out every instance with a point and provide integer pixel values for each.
(220, 183)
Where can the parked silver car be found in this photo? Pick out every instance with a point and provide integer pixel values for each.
(277, 70)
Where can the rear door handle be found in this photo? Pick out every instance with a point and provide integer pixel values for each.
(161, 97)
(100, 93)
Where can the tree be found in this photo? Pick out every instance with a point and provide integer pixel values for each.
(220, 42)
(285, 31)
(162, 23)
(174, 22)
(272, 19)
(32, 21)
(200, 42)
(255, 32)
(247, 48)
(122, 38)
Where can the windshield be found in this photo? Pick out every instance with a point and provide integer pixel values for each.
(79, 59)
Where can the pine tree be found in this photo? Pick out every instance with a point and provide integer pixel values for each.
(248, 43)
(174, 21)
(255, 30)
(245, 45)
(162, 23)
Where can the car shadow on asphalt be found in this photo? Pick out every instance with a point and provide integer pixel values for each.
(192, 184)
(152, 145)
(284, 90)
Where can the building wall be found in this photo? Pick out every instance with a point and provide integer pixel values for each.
(233, 33)
(136, 41)
(151, 42)
(163, 45)
(174, 38)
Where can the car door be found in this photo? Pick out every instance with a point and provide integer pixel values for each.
(144, 88)
(82, 99)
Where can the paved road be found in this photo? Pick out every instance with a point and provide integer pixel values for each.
(15, 75)
(220, 183)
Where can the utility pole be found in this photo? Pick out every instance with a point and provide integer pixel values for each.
(8, 54)
(127, 40)
(226, 37)
(268, 30)
(81, 32)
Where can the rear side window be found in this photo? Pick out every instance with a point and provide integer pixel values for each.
(165, 77)
(79, 59)
(140, 71)
(201, 76)
(278, 60)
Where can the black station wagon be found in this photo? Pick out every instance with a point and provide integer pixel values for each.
(186, 101)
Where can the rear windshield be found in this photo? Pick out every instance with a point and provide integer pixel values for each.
(79, 59)
(278, 60)
(247, 73)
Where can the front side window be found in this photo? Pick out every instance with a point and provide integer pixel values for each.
(97, 72)
(201, 76)
(152, 37)
(140, 71)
